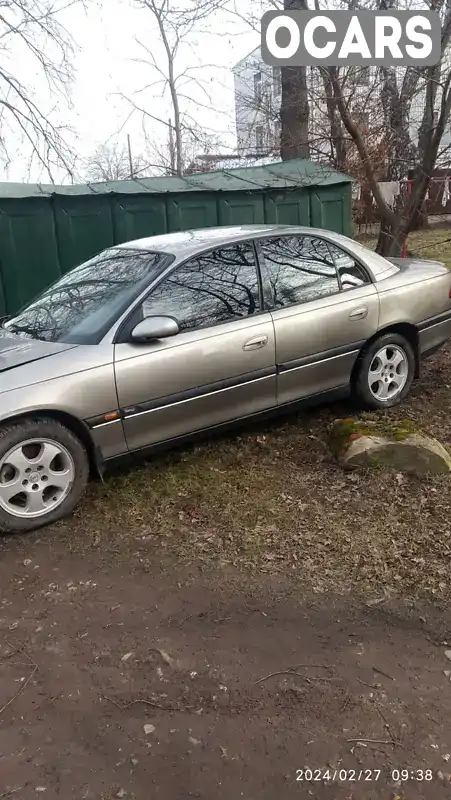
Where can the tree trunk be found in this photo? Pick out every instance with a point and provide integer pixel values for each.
(401, 152)
(409, 217)
(337, 134)
(390, 240)
(422, 221)
(295, 109)
(294, 114)
(174, 96)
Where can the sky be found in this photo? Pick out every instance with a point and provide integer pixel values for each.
(109, 67)
(112, 37)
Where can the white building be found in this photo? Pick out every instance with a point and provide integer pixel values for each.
(258, 94)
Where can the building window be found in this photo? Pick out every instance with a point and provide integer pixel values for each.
(259, 136)
(364, 121)
(359, 76)
(363, 76)
(277, 80)
(361, 118)
(258, 87)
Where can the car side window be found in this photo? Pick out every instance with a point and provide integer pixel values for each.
(218, 286)
(350, 273)
(299, 269)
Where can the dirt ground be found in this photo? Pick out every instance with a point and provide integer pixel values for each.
(178, 587)
(90, 657)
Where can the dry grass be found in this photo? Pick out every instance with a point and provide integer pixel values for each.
(434, 243)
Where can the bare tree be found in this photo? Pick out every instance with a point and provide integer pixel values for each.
(194, 143)
(34, 44)
(387, 128)
(329, 139)
(111, 162)
(275, 116)
(338, 149)
(175, 25)
(430, 89)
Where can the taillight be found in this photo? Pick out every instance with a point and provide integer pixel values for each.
(449, 293)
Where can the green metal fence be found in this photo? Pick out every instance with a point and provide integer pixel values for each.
(45, 230)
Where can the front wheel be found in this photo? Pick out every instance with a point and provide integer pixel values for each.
(385, 372)
(44, 470)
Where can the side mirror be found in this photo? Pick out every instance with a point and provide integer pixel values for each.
(154, 328)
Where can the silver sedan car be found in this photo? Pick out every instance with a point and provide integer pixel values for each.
(154, 341)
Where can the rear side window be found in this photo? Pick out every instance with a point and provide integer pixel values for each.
(350, 273)
(299, 269)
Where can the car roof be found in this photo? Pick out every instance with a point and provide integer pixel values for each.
(185, 243)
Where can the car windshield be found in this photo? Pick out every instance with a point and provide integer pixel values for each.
(82, 306)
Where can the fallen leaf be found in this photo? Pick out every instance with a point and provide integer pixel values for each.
(148, 728)
(127, 656)
(166, 657)
(376, 601)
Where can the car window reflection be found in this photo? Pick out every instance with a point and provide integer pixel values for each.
(300, 268)
(86, 301)
(215, 287)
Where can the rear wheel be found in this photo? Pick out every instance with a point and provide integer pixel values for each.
(44, 470)
(385, 372)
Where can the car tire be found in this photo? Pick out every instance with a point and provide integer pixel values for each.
(47, 465)
(385, 372)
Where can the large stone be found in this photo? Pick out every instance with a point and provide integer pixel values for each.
(402, 446)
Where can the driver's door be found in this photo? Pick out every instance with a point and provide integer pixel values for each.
(220, 367)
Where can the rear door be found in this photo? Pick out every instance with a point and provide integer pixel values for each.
(324, 308)
(220, 367)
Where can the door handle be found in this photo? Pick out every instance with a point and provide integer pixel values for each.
(256, 343)
(359, 313)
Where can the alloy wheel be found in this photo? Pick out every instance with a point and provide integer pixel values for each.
(35, 477)
(388, 372)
